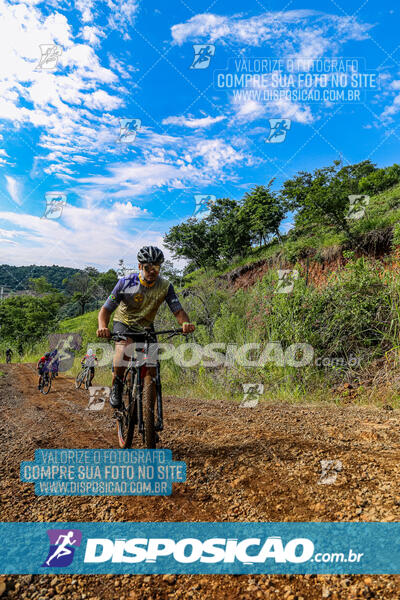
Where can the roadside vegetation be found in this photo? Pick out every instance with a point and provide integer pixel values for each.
(346, 331)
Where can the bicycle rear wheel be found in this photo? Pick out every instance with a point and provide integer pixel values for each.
(149, 396)
(128, 413)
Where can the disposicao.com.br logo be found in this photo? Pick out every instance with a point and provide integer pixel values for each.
(63, 543)
(213, 550)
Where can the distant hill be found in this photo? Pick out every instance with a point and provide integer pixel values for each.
(17, 278)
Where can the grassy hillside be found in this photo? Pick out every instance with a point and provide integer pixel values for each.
(382, 212)
(330, 342)
(301, 346)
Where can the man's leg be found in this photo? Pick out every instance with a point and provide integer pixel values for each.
(120, 362)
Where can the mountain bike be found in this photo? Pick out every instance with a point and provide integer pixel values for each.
(45, 383)
(140, 393)
(83, 377)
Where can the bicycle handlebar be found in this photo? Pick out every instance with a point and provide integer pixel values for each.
(146, 334)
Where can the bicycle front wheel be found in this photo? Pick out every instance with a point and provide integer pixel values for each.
(78, 380)
(87, 380)
(46, 384)
(126, 421)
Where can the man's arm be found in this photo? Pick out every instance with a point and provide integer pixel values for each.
(103, 320)
(183, 319)
(108, 308)
(175, 306)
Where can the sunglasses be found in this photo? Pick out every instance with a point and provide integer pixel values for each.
(151, 267)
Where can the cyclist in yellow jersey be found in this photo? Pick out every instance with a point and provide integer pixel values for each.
(136, 299)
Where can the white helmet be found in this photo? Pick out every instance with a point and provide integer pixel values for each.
(90, 352)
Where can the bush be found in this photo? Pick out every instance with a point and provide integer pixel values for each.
(350, 316)
(380, 180)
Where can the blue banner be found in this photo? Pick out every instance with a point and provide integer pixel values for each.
(206, 548)
(103, 472)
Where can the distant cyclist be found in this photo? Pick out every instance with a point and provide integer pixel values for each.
(137, 298)
(9, 354)
(43, 366)
(89, 360)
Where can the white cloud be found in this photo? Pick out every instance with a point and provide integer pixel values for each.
(122, 15)
(73, 240)
(391, 110)
(101, 100)
(249, 110)
(206, 24)
(117, 65)
(300, 33)
(165, 162)
(217, 153)
(63, 103)
(85, 7)
(122, 12)
(92, 35)
(13, 188)
(191, 122)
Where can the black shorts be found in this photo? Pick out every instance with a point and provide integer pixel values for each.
(138, 340)
(119, 327)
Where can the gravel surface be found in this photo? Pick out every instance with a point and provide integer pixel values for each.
(243, 464)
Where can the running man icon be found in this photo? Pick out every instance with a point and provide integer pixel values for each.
(63, 543)
(279, 129)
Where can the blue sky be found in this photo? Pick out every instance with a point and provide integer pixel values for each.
(60, 127)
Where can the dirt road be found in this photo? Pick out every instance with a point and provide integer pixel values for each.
(243, 464)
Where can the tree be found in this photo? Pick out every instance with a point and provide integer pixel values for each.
(229, 228)
(221, 235)
(40, 285)
(192, 240)
(380, 180)
(27, 317)
(263, 212)
(170, 272)
(83, 287)
(107, 281)
(323, 196)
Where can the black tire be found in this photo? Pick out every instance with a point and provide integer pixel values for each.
(46, 384)
(126, 422)
(149, 396)
(87, 380)
(79, 379)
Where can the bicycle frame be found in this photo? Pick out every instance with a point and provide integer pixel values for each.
(139, 366)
